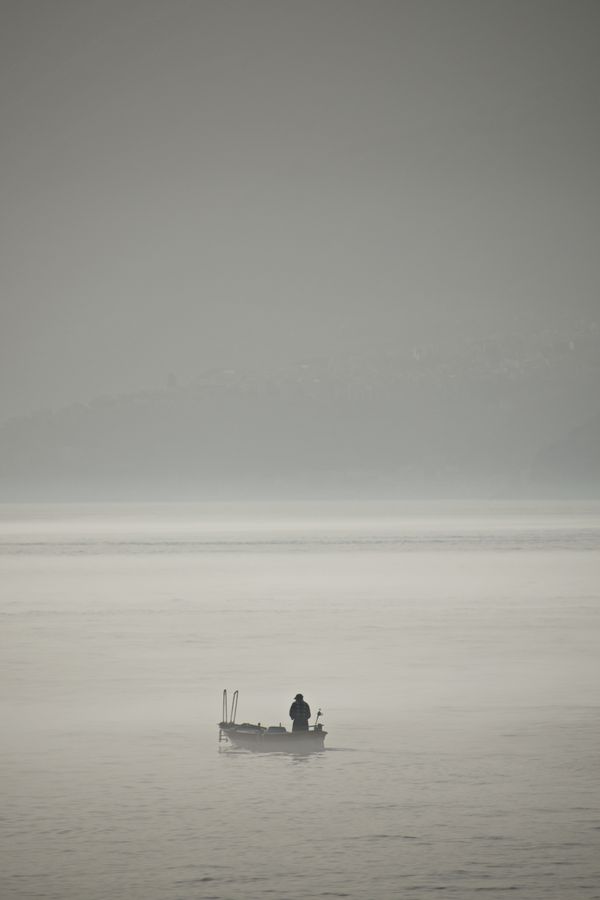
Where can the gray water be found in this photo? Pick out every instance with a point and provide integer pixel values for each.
(454, 652)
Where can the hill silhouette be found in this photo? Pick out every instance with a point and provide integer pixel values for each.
(497, 417)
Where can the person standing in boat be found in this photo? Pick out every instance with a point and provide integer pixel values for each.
(300, 713)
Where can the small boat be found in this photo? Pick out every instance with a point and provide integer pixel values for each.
(266, 738)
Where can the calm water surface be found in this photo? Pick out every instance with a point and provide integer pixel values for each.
(454, 651)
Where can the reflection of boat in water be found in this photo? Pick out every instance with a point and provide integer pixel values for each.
(265, 738)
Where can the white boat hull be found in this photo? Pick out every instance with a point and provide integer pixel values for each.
(263, 740)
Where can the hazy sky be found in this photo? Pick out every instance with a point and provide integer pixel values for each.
(188, 184)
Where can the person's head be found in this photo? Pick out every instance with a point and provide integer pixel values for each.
(299, 697)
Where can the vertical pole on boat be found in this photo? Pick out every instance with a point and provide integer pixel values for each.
(234, 703)
(225, 705)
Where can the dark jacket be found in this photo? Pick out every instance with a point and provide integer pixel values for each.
(300, 711)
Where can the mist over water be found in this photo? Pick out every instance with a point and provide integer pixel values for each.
(453, 650)
(307, 251)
